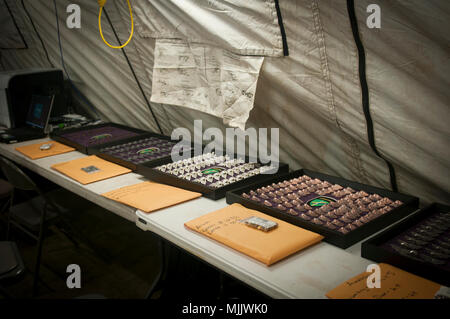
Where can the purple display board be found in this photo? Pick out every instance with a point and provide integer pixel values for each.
(99, 135)
(142, 150)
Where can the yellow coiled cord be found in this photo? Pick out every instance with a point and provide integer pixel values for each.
(102, 3)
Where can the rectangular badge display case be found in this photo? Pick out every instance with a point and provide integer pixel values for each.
(416, 244)
(208, 172)
(344, 212)
(87, 139)
(150, 149)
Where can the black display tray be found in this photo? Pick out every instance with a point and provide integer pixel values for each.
(373, 248)
(331, 236)
(135, 167)
(89, 150)
(209, 192)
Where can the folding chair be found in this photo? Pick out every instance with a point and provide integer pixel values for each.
(6, 191)
(11, 265)
(34, 216)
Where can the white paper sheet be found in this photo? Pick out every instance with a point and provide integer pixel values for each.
(205, 78)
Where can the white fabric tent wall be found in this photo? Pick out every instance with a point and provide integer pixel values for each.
(10, 37)
(242, 27)
(313, 95)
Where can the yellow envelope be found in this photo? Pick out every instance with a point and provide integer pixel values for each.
(394, 284)
(268, 247)
(90, 169)
(33, 151)
(150, 196)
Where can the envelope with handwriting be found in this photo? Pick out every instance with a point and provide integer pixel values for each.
(149, 196)
(394, 283)
(269, 247)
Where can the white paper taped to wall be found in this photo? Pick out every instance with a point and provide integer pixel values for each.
(205, 78)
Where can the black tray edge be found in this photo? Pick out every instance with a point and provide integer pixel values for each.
(135, 167)
(371, 248)
(331, 236)
(208, 192)
(89, 150)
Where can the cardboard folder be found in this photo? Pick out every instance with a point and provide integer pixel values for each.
(34, 151)
(90, 169)
(224, 226)
(394, 284)
(150, 196)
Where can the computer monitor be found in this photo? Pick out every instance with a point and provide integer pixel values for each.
(39, 111)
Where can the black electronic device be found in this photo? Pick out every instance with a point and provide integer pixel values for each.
(36, 122)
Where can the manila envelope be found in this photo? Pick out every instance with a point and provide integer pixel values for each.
(268, 247)
(150, 196)
(33, 151)
(90, 169)
(394, 284)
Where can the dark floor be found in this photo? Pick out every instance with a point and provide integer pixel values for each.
(123, 263)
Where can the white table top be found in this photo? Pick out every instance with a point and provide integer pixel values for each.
(306, 274)
(90, 192)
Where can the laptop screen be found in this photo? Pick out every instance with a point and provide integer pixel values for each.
(39, 111)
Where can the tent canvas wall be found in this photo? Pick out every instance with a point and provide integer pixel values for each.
(313, 95)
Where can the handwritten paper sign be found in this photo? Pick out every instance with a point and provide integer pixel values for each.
(205, 78)
(394, 284)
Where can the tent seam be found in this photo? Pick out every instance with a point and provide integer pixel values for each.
(351, 144)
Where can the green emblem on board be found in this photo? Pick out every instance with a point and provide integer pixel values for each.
(320, 201)
(212, 170)
(101, 136)
(148, 150)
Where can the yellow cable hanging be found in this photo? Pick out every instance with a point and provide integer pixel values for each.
(102, 3)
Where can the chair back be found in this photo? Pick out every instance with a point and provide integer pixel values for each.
(16, 176)
(22, 181)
